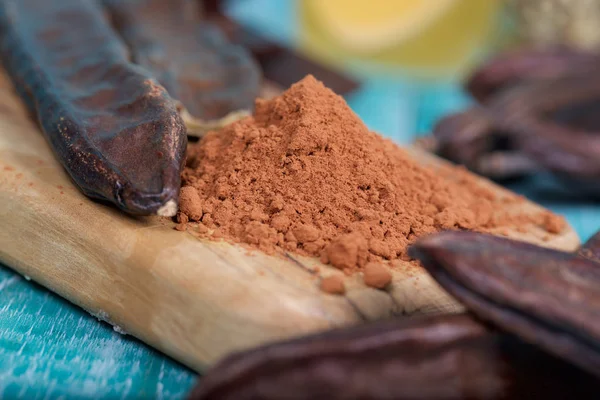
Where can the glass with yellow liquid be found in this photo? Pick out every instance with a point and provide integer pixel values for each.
(422, 37)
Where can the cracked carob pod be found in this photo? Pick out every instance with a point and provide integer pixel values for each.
(112, 126)
(191, 58)
(547, 297)
(443, 357)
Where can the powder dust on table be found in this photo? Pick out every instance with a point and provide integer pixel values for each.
(304, 174)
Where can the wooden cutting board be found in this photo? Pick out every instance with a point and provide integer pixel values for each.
(194, 300)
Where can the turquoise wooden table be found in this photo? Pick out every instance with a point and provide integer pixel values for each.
(50, 349)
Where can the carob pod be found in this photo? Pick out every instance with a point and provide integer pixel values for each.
(548, 125)
(591, 248)
(547, 297)
(515, 67)
(443, 357)
(538, 112)
(191, 58)
(112, 126)
(555, 123)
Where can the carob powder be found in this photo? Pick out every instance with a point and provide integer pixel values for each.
(305, 175)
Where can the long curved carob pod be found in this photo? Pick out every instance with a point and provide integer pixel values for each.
(514, 67)
(443, 357)
(536, 113)
(471, 138)
(526, 114)
(215, 81)
(464, 137)
(540, 125)
(112, 126)
(547, 297)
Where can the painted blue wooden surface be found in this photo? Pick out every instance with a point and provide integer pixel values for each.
(50, 349)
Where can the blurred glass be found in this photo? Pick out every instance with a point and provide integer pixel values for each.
(428, 38)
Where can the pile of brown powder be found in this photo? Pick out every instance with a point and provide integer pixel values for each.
(306, 175)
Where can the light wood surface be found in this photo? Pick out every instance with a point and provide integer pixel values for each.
(194, 300)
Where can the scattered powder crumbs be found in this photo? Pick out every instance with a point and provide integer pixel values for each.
(305, 175)
(333, 284)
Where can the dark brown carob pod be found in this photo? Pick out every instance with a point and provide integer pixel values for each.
(112, 126)
(548, 125)
(591, 248)
(443, 357)
(472, 139)
(190, 57)
(547, 297)
(537, 112)
(528, 64)
(553, 123)
(464, 137)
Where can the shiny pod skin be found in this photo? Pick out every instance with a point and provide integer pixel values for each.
(112, 126)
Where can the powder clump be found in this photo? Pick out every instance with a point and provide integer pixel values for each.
(304, 174)
(376, 275)
(333, 284)
(554, 223)
(190, 204)
(347, 251)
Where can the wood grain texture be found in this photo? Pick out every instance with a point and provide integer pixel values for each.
(194, 300)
